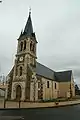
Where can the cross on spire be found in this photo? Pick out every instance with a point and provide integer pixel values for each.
(29, 10)
(29, 28)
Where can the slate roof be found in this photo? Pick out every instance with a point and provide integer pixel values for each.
(28, 28)
(63, 76)
(44, 71)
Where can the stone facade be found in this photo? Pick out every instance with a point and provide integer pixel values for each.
(24, 83)
(21, 78)
(27, 58)
(65, 87)
(13, 93)
(50, 92)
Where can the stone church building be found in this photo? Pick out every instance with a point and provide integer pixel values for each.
(29, 80)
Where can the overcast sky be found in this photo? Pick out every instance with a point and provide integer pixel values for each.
(57, 27)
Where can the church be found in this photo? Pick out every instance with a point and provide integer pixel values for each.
(30, 80)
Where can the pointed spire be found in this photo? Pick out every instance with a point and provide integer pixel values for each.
(29, 28)
(28, 31)
(21, 31)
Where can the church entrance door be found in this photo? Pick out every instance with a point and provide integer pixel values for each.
(18, 92)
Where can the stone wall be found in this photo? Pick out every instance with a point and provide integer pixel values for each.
(64, 88)
(60, 90)
(1, 102)
(51, 92)
(73, 87)
(11, 104)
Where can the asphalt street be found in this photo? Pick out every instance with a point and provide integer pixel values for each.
(62, 113)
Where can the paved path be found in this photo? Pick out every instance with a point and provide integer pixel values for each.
(62, 113)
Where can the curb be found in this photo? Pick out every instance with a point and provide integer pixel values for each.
(57, 106)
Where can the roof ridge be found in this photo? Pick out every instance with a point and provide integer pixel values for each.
(64, 71)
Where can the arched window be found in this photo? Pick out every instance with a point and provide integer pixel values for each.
(31, 46)
(47, 84)
(24, 45)
(20, 71)
(21, 46)
(16, 71)
(55, 86)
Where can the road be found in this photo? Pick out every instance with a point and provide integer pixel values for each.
(62, 113)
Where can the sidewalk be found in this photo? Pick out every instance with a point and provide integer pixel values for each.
(51, 104)
(13, 104)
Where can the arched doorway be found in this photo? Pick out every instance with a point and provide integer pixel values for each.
(18, 92)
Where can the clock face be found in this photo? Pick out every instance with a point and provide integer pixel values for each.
(21, 59)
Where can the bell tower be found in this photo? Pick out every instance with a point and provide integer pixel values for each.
(26, 55)
(27, 43)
